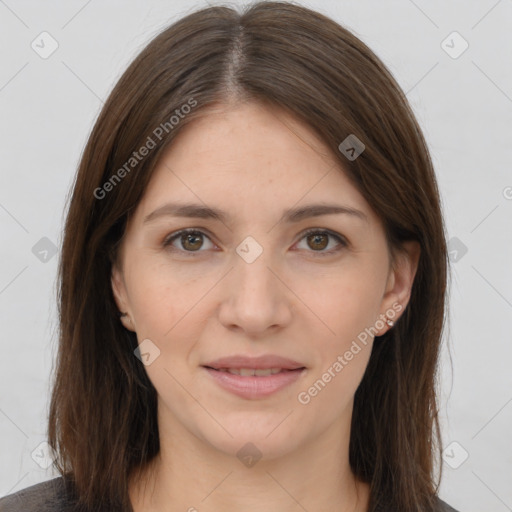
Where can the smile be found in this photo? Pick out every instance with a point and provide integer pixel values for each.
(251, 383)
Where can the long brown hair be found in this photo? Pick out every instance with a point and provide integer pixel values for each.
(102, 417)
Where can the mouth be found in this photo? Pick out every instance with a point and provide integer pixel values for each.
(255, 372)
(256, 378)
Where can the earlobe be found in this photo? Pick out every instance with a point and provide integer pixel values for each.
(401, 277)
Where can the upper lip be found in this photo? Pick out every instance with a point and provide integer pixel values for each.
(256, 363)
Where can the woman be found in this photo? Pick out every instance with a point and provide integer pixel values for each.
(252, 281)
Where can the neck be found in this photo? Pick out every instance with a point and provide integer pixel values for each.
(191, 475)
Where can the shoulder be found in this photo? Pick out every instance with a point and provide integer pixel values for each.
(441, 506)
(444, 507)
(49, 496)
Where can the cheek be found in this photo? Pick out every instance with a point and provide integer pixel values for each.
(349, 302)
(169, 310)
(348, 308)
(329, 393)
(161, 296)
(155, 307)
(167, 313)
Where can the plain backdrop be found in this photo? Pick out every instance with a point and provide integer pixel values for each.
(463, 101)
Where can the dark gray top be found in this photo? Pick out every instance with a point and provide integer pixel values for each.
(51, 496)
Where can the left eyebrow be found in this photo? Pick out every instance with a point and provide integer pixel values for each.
(292, 215)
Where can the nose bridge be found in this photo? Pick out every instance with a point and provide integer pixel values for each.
(255, 299)
(251, 269)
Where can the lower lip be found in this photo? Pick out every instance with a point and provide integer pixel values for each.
(254, 386)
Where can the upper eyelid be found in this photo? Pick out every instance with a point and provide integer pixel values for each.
(184, 231)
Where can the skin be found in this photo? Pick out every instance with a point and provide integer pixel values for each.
(209, 302)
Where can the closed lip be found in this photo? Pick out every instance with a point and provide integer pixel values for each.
(263, 362)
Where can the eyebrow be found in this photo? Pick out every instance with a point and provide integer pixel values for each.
(199, 211)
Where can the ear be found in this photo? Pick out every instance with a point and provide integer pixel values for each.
(400, 280)
(121, 297)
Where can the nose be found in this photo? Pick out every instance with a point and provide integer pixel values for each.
(256, 299)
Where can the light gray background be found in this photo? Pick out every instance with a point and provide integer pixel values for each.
(464, 105)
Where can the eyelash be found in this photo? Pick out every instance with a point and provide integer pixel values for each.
(342, 241)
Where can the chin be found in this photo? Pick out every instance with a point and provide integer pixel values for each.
(252, 448)
(264, 438)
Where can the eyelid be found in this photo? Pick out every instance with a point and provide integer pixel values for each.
(334, 234)
(342, 241)
(177, 234)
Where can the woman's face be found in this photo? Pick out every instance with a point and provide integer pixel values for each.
(251, 282)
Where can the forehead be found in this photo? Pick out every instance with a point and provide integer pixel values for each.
(231, 134)
(251, 158)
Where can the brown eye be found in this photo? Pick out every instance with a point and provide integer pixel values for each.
(191, 240)
(318, 241)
